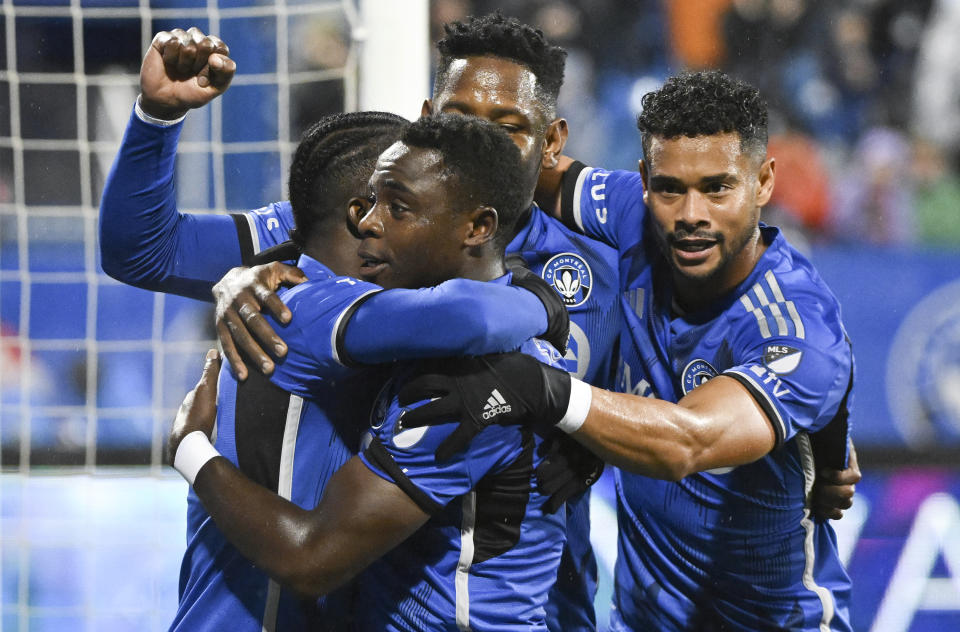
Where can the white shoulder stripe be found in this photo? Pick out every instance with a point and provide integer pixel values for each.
(774, 286)
(809, 582)
(577, 192)
(461, 582)
(767, 311)
(795, 317)
(758, 314)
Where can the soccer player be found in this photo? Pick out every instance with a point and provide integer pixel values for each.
(744, 347)
(487, 552)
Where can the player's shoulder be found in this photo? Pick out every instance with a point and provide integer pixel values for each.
(786, 297)
(595, 181)
(324, 286)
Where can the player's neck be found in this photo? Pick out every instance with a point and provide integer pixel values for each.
(483, 268)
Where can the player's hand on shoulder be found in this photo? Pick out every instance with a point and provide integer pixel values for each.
(183, 70)
(502, 388)
(833, 490)
(240, 297)
(198, 411)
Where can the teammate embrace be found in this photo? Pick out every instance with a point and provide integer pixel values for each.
(448, 506)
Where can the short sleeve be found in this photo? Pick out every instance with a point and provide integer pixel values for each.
(799, 384)
(263, 228)
(607, 206)
(320, 308)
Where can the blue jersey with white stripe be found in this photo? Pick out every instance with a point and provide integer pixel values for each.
(290, 435)
(488, 555)
(733, 548)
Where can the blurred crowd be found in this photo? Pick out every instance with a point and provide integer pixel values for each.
(864, 97)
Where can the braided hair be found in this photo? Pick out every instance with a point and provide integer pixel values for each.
(494, 35)
(333, 163)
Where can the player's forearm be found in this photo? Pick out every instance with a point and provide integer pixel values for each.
(144, 240)
(642, 435)
(279, 537)
(718, 424)
(456, 318)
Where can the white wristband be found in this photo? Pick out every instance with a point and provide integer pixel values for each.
(192, 454)
(146, 118)
(580, 398)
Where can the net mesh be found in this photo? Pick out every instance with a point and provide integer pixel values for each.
(92, 370)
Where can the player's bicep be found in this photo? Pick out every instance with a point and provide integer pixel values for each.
(735, 426)
(361, 516)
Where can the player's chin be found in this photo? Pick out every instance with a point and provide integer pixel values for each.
(375, 273)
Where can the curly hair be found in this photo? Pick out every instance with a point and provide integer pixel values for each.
(494, 35)
(482, 158)
(333, 163)
(702, 104)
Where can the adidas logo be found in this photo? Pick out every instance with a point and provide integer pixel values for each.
(495, 405)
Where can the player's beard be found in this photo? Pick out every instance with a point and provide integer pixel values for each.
(712, 280)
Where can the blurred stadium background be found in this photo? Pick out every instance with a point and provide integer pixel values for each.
(865, 104)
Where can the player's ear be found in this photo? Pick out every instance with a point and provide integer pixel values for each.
(356, 209)
(765, 178)
(554, 142)
(642, 167)
(427, 108)
(484, 223)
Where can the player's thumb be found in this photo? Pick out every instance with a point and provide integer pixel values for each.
(217, 73)
(205, 397)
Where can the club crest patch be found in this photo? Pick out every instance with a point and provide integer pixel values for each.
(781, 359)
(696, 373)
(381, 404)
(570, 276)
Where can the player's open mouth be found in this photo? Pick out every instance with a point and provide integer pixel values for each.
(370, 266)
(693, 250)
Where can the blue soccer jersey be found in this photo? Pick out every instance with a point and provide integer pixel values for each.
(733, 548)
(489, 554)
(147, 242)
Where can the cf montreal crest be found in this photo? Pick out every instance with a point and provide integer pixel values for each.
(696, 373)
(570, 276)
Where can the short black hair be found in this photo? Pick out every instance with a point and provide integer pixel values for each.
(494, 35)
(485, 162)
(333, 164)
(705, 103)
